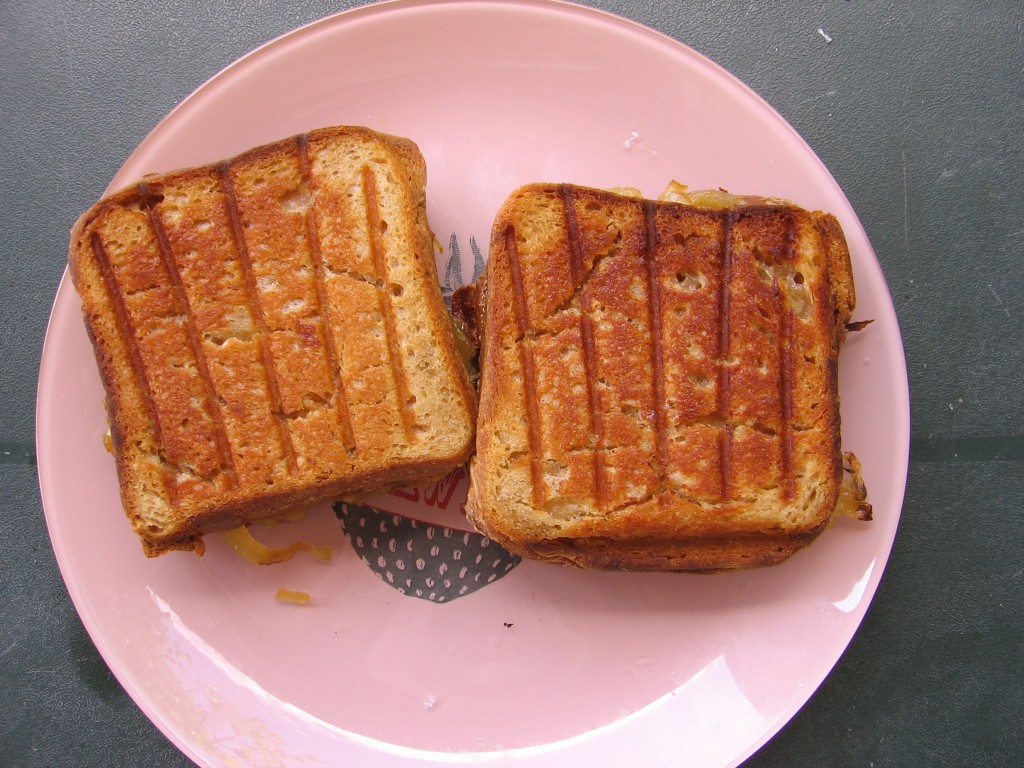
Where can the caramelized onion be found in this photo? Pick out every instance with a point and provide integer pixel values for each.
(242, 541)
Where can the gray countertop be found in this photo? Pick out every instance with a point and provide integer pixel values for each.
(918, 111)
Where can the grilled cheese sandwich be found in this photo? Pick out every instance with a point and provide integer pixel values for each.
(270, 333)
(659, 385)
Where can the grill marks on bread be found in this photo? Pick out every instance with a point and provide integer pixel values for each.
(253, 302)
(375, 226)
(591, 370)
(529, 375)
(654, 300)
(126, 330)
(724, 409)
(283, 340)
(325, 309)
(666, 354)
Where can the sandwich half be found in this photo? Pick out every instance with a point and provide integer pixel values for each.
(658, 383)
(270, 333)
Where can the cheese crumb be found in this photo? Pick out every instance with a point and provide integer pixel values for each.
(292, 596)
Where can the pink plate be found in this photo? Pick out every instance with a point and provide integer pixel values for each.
(421, 644)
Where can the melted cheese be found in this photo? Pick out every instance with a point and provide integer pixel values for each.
(852, 491)
(292, 596)
(244, 544)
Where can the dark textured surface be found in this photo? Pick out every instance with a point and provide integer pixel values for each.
(917, 111)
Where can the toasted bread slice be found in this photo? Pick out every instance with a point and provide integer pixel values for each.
(659, 380)
(270, 333)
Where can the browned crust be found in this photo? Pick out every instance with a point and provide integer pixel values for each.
(840, 270)
(224, 305)
(771, 287)
(695, 555)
